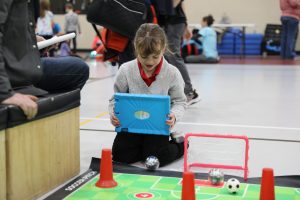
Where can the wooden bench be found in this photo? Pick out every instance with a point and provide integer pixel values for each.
(42, 153)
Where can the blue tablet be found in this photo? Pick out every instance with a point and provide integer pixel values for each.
(142, 113)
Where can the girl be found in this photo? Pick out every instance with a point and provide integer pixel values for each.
(45, 23)
(150, 73)
(208, 37)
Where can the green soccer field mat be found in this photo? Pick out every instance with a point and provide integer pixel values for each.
(134, 186)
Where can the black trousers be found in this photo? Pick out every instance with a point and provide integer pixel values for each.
(132, 147)
(74, 42)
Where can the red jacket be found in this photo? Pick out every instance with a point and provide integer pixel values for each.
(290, 8)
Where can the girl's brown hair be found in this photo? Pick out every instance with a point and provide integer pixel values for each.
(44, 6)
(149, 39)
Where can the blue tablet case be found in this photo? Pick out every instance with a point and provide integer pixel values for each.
(142, 113)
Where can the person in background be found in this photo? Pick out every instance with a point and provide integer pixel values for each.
(290, 15)
(45, 22)
(175, 25)
(149, 73)
(208, 38)
(72, 24)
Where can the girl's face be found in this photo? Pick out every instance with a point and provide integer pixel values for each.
(150, 62)
(203, 23)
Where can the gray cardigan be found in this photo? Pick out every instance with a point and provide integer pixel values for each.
(168, 82)
(72, 22)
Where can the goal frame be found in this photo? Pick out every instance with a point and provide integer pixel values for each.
(243, 168)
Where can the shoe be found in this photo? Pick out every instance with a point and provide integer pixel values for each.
(192, 98)
(180, 147)
(177, 137)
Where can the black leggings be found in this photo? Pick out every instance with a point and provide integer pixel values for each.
(132, 147)
(74, 42)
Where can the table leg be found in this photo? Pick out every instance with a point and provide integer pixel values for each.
(243, 52)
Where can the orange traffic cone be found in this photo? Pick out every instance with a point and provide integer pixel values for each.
(188, 186)
(267, 185)
(106, 174)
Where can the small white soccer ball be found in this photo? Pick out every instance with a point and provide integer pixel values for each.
(233, 185)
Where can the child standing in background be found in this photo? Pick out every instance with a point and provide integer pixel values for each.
(150, 73)
(72, 24)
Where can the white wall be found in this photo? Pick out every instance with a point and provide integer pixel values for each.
(84, 41)
(258, 12)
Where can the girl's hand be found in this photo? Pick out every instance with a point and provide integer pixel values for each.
(171, 121)
(114, 121)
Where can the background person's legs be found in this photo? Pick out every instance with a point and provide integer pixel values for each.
(283, 37)
(74, 42)
(174, 34)
(292, 28)
(288, 37)
(63, 74)
(74, 45)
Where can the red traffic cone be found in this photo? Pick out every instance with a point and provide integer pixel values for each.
(188, 186)
(106, 174)
(267, 185)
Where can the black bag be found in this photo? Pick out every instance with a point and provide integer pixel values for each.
(271, 41)
(121, 16)
(189, 49)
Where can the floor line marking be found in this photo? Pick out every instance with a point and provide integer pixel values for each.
(88, 120)
(92, 118)
(240, 126)
(174, 195)
(155, 183)
(224, 125)
(245, 191)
